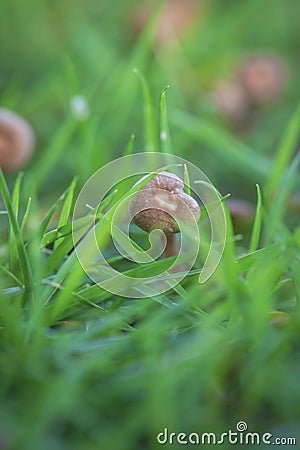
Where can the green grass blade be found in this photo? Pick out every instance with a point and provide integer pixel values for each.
(248, 262)
(279, 204)
(26, 215)
(257, 222)
(60, 252)
(287, 147)
(203, 209)
(11, 275)
(186, 179)
(16, 193)
(130, 146)
(23, 257)
(46, 220)
(67, 207)
(165, 141)
(15, 205)
(64, 230)
(149, 122)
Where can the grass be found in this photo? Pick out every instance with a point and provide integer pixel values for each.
(80, 367)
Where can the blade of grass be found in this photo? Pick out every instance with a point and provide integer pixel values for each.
(203, 209)
(230, 272)
(279, 204)
(257, 222)
(23, 257)
(63, 231)
(130, 145)
(15, 205)
(286, 149)
(26, 215)
(247, 262)
(66, 208)
(50, 214)
(11, 275)
(149, 123)
(165, 141)
(60, 252)
(186, 178)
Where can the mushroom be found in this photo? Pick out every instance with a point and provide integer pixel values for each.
(156, 204)
(241, 211)
(262, 77)
(231, 100)
(258, 80)
(16, 141)
(176, 17)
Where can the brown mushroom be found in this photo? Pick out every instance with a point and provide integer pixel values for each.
(16, 141)
(263, 77)
(232, 102)
(176, 17)
(241, 211)
(156, 205)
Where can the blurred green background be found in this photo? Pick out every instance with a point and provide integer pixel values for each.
(67, 67)
(54, 51)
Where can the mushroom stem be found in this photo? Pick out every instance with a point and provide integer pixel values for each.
(172, 246)
(172, 249)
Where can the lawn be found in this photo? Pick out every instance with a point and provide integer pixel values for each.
(88, 361)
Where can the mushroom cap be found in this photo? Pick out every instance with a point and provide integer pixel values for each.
(160, 202)
(231, 100)
(16, 140)
(175, 19)
(263, 77)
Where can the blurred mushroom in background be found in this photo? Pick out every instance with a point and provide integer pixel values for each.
(241, 211)
(231, 101)
(263, 77)
(258, 80)
(16, 141)
(175, 18)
